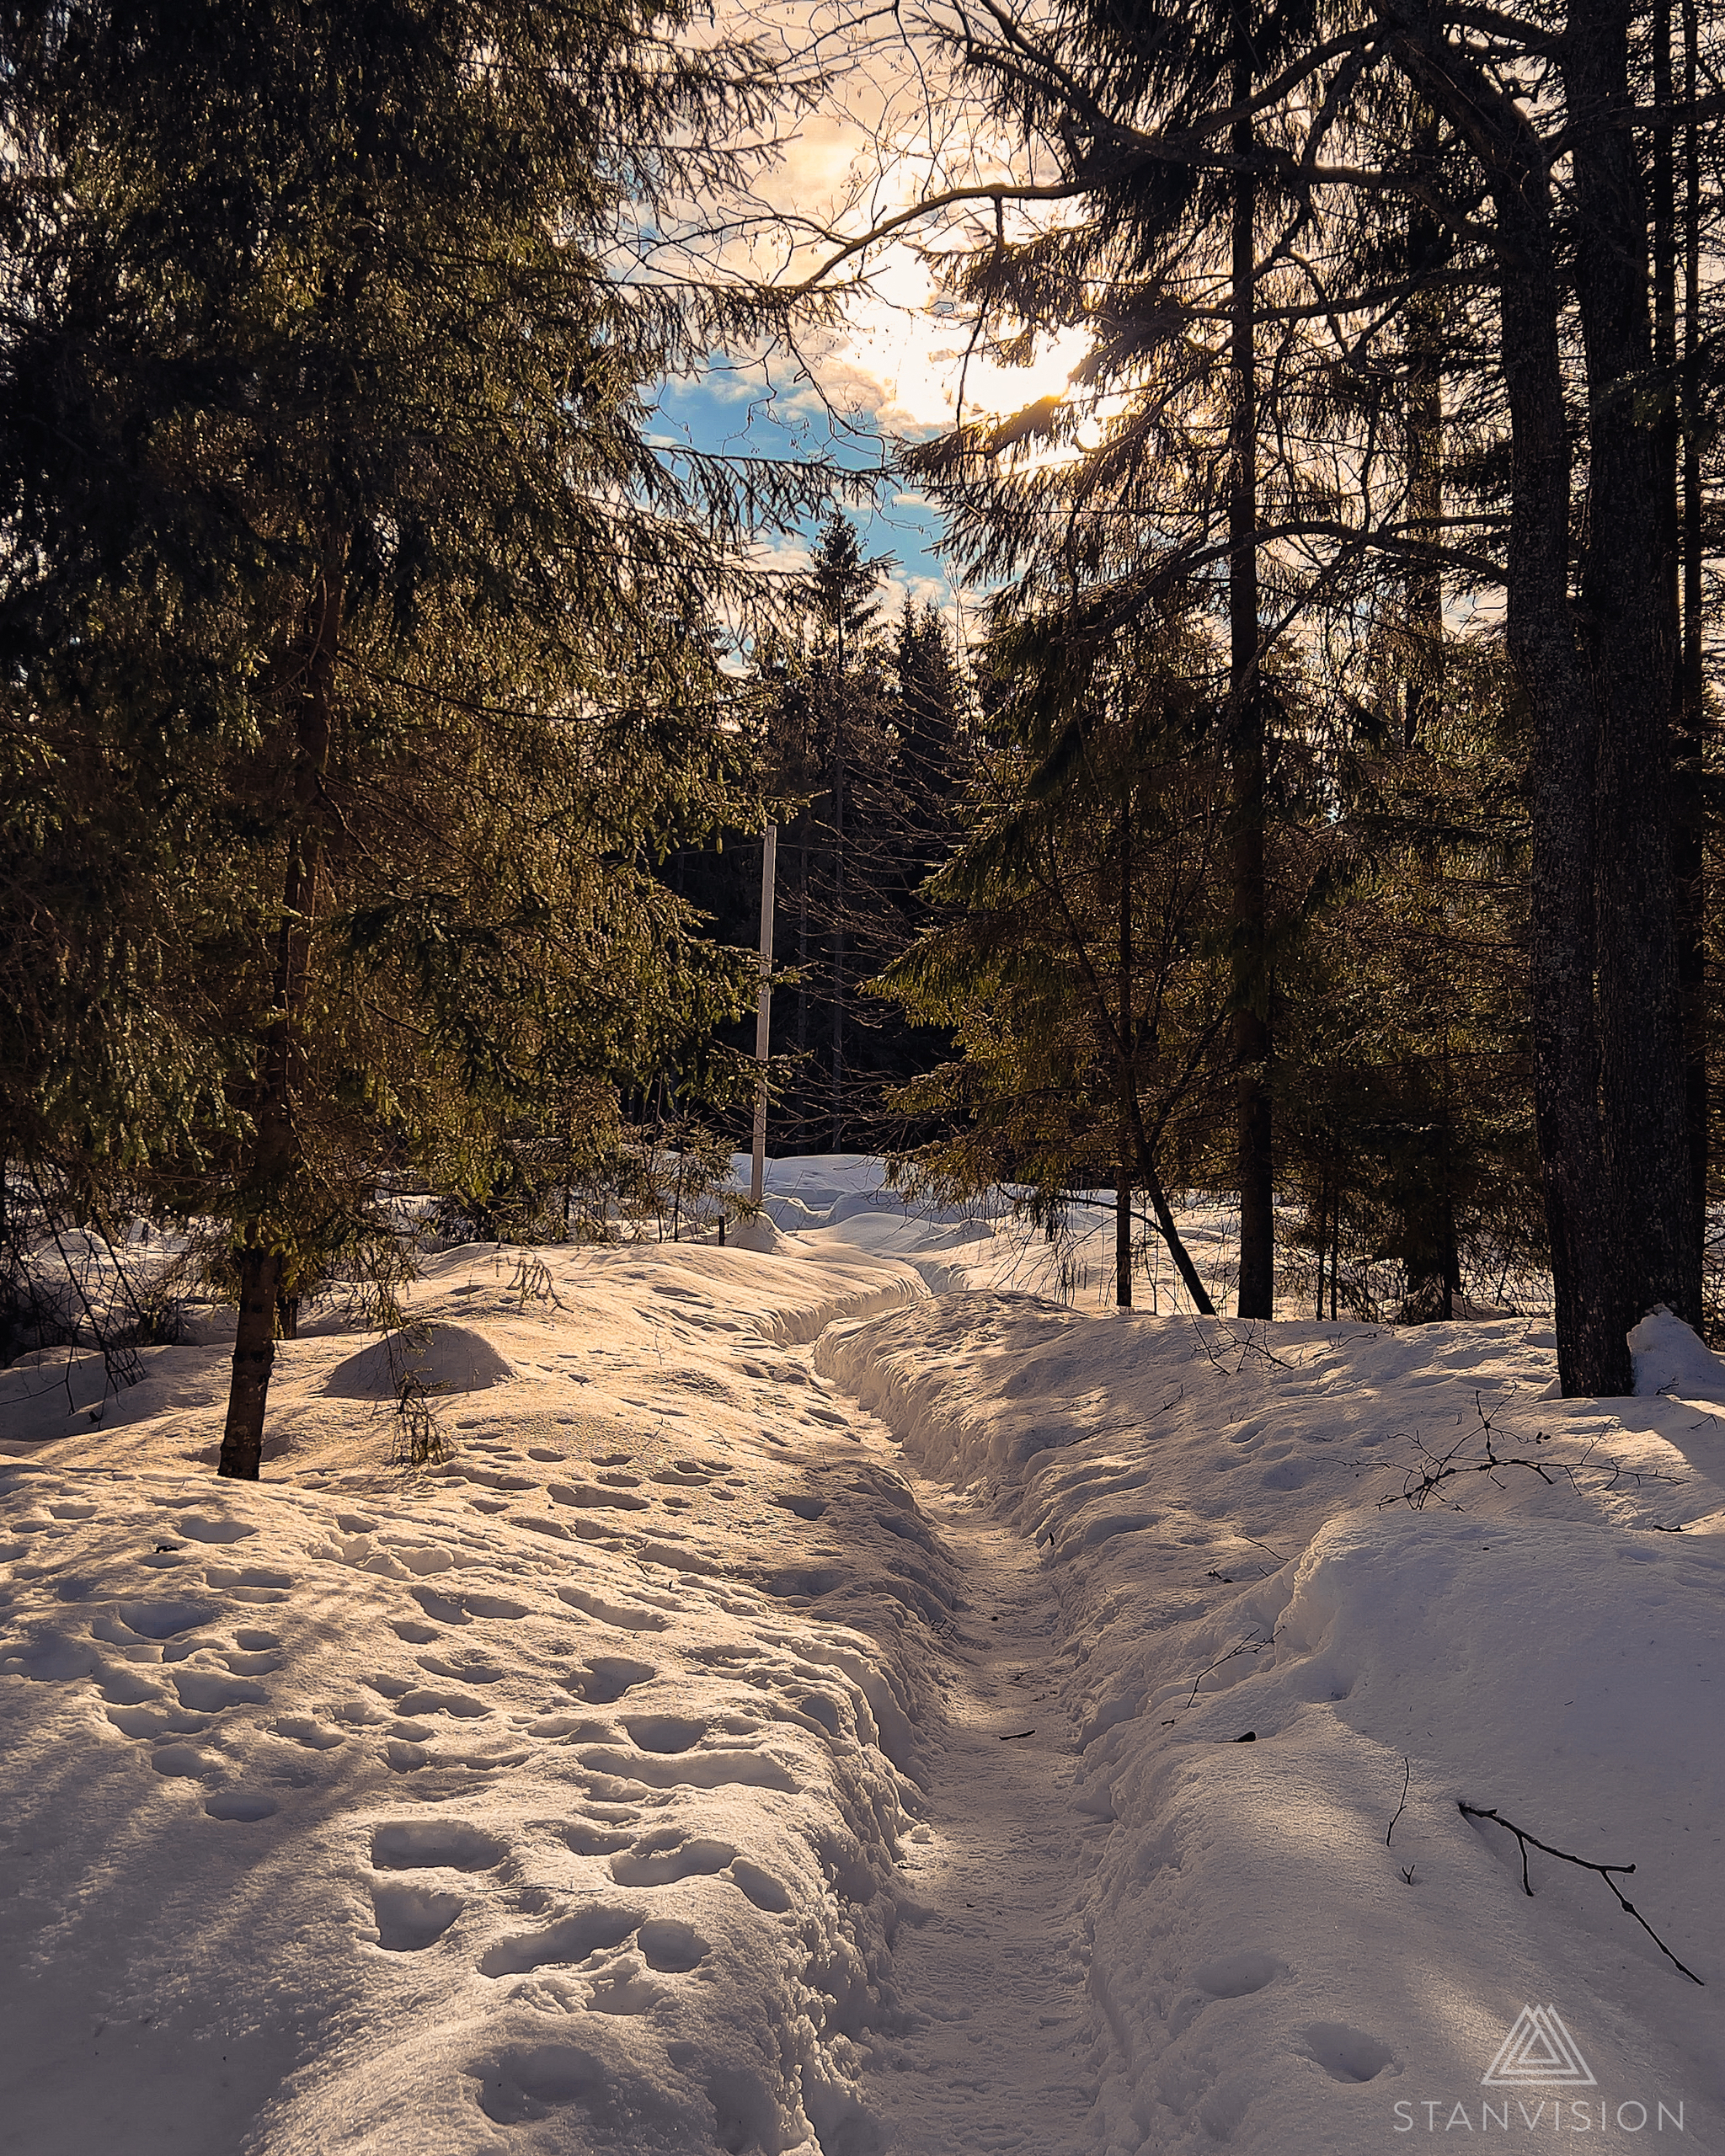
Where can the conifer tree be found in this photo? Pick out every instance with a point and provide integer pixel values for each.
(346, 607)
(1075, 959)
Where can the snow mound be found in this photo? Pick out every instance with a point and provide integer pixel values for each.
(759, 1233)
(1671, 1357)
(443, 1358)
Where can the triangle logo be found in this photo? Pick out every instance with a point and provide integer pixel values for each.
(1538, 2052)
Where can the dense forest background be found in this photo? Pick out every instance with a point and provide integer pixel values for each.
(1320, 814)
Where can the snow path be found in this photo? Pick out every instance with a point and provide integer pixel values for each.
(803, 1716)
(1001, 2064)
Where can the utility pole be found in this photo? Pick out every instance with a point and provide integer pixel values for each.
(763, 1010)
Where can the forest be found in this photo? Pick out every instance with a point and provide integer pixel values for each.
(1318, 810)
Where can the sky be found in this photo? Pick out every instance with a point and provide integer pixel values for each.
(897, 370)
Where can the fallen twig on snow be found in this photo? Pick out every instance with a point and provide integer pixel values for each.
(1247, 1343)
(1407, 1776)
(1476, 1453)
(1525, 1841)
(1254, 1643)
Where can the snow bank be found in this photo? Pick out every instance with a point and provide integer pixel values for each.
(1670, 1357)
(1267, 1658)
(547, 1799)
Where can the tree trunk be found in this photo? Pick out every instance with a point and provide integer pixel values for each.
(1629, 595)
(1246, 711)
(275, 1153)
(1128, 1062)
(1690, 850)
(836, 1142)
(804, 1103)
(1422, 691)
(1592, 1354)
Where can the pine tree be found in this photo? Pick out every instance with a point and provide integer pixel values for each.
(345, 603)
(1075, 962)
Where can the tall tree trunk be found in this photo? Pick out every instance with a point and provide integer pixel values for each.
(836, 1141)
(1246, 711)
(1128, 1064)
(804, 1104)
(1629, 597)
(1690, 849)
(1422, 696)
(1593, 1356)
(275, 1154)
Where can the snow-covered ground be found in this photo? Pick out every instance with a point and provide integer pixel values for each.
(832, 1699)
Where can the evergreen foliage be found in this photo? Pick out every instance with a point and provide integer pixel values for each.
(356, 657)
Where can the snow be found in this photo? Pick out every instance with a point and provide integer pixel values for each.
(1670, 1358)
(807, 1710)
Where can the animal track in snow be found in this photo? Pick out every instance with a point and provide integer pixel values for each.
(526, 2082)
(184, 1760)
(624, 1616)
(760, 1885)
(257, 1583)
(163, 1620)
(671, 1947)
(495, 1605)
(1235, 1975)
(149, 1723)
(423, 1700)
(590, 1495)
(665, 1732)
(620, 1987)
(314, 1735)
(712, 1769)
(206, 1691)
(594, 1838)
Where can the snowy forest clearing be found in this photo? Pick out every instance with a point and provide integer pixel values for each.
(807, 1712)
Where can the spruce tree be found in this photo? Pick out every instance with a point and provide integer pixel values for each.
(346, 606)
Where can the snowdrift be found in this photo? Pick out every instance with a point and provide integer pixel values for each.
(1270, 1657)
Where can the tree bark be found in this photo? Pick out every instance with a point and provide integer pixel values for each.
(1629, 599)
(1246, 712)
(1127, 1032)
(836, 1141)
(1593, 1356)
(265, 1252)
(1690, 850)
(1421, 695)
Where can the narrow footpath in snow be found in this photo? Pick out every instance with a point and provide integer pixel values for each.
(995, 1976)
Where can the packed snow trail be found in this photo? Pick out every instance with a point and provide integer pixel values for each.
(999, 2064)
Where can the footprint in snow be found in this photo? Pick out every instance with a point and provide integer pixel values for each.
(593, 1929)
(411, 1918)
(456, 1845)
(1346, 2053)
(661, 1858)
(245, 1805)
